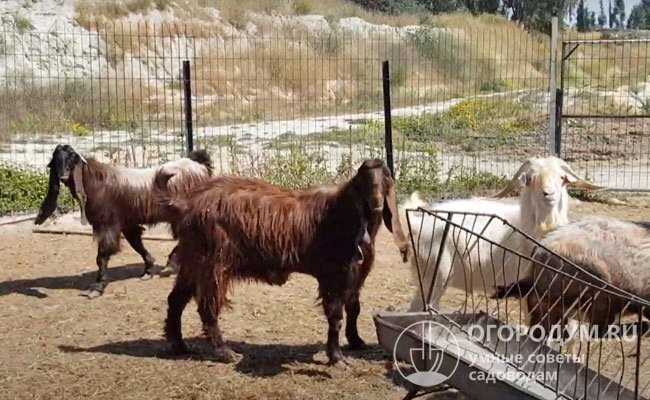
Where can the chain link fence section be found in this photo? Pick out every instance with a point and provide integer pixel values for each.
(605, 113)
(465, 100)
(462, 99)
(111, 92)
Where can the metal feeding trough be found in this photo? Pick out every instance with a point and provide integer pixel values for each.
(484, 347)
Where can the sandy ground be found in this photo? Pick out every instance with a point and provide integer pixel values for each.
(56, 344)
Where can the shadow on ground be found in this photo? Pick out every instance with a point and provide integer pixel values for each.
(29, 287)
(259, 360)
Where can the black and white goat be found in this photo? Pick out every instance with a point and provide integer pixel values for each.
(115, 200)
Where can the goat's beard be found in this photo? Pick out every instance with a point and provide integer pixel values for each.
(555, 216)
(539, 219)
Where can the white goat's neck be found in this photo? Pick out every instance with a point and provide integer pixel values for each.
(539, 219)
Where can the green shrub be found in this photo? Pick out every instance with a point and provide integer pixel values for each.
(296, 169)
(78, 129)
(422, 174)
(502, 117)
(162, 4)
(302, 7)
(472, 182)
(23, 24)
(23, 190)
(419, 174)
(496, 85)
(135, 6)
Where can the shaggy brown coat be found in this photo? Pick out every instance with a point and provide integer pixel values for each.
(246, 229)
(114, 201)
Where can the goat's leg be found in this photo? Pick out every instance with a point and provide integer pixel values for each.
(333, 307)
(108, 243)
(172, 266)
(213, 292)
(180, 295)
(210, 318)
(133, 235)
(352, 311)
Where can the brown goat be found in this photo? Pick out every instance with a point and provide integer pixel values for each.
(246, 229)
(114, 200)
(606, 276)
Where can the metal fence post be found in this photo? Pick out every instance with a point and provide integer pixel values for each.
(187, 94)
(559, 102)
(552, 109)
(388, 124)
(557, 138)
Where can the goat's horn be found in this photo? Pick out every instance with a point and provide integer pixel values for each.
(514, 182)
(585, 185)
(567, 168)
(579, 182)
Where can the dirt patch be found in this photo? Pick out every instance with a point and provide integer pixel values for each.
(57, 344)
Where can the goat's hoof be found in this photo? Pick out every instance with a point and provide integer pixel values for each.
(226, 355)
(357, 344)
(91, 293)
(146, 276)
(337, 356)
(95, 290)
(166, 271)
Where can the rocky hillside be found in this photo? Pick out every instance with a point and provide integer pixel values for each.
(74, 38)
(267, 59)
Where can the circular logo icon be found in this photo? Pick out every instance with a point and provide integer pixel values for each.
(421, 345)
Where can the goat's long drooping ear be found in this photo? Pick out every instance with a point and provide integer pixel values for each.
(391, 216)
(515, 182)
(78, 179)
(64, 160)
(49, 203)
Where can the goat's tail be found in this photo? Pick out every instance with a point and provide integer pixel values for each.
(202, 157)
(517, 290)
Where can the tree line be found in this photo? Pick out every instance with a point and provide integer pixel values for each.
(534, 14)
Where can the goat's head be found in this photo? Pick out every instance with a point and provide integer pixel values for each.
(543, 184)
(374, 183)
(63, 168)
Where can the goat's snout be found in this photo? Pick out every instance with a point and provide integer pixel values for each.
(551, 194)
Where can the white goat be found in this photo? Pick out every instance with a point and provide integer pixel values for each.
(543, 205)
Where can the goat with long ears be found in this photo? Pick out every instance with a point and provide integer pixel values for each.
(115, 201)
(232, 228)
(65, 166)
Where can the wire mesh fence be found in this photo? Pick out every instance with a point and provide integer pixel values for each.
(605, 109)
(464, 101)
(109, 92)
